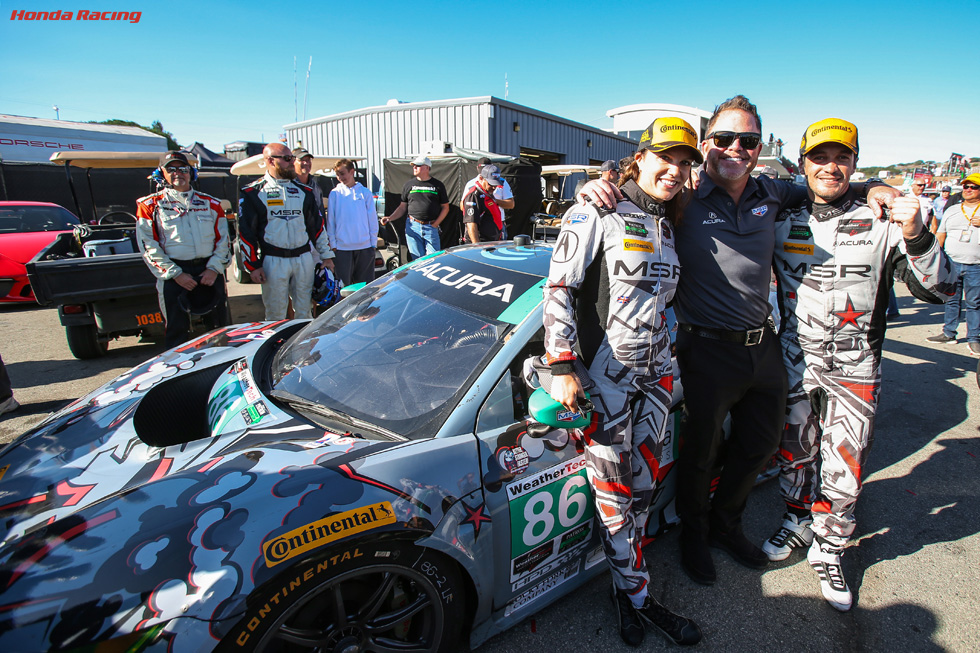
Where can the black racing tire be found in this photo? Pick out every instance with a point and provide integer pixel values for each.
(238, 268)
(84, 342)
(367, 597)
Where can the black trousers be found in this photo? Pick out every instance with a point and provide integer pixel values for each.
(354, 265)
(720, 378)
(177, 322)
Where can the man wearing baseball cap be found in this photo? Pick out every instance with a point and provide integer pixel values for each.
(834, 263)
(184, 238)
(609, 171)
(303, 164)
(939, 205)
(727, 350)
(425, 200)
(482, 217)
(502, 195)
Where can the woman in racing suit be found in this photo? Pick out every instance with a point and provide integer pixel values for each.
(612, 274)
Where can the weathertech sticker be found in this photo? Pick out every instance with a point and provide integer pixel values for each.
(638, 246)
(798, 248)
(329, 529)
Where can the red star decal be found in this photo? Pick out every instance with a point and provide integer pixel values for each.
(476, 517)
(849, 315)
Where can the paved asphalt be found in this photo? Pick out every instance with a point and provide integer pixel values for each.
(914, 565)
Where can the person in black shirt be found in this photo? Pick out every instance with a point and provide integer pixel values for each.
(425, 200)
(481, 215)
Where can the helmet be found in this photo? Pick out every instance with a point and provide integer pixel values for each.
(326, 287)
(546, 410)
(203, 299)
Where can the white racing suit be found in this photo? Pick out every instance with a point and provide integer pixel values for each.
(181, 232)
(611, 277)
(835, 265)
(278, 219)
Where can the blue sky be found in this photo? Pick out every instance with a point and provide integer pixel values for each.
(218, 72)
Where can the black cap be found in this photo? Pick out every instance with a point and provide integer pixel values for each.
(483, 161)
(174, 155)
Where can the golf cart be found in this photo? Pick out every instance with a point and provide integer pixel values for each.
(559, 185)
(96, 275)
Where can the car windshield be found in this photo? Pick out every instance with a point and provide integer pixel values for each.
(388, 355)
(24, 219)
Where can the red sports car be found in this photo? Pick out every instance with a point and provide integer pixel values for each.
(25, 229)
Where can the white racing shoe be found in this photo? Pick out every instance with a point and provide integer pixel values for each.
(825, 559)
(793, 533)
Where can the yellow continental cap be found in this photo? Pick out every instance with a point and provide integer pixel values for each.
(973, 179)
(670, 131)
(831, 130)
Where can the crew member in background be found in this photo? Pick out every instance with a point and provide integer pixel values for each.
(303, 165)
(352, 225)
(481, 216)
(609, 171)
(925, 204)
(184, 239)
(959, 235)
(278, 218)
(832, 334)
(503, 195)
(425, 200)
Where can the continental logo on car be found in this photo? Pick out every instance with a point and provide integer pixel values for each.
(798, 248)
(638, 246)
(329, 529)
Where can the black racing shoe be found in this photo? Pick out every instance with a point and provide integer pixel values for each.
(630, 626)
(678, 629)
(696, 559)
(744, 552)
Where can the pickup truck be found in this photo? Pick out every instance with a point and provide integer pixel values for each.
(100, 296)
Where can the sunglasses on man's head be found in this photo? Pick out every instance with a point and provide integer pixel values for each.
(749, 140)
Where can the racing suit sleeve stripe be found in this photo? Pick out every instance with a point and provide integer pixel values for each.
(250, 229)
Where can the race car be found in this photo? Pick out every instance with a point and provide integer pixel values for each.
(25, 229)
(370, 480)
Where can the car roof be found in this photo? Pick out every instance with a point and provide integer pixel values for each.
(15, 203)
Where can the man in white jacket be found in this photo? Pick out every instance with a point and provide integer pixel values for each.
(352, 226)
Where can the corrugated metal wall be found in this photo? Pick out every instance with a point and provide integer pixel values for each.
(401, 130)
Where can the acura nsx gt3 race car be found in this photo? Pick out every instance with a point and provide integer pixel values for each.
(362, 482)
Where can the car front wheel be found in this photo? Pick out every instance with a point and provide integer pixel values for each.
(375, 597)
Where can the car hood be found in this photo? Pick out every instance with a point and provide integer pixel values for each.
(102, 519)
(21, 248)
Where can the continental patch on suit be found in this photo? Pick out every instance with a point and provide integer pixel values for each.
(638, 246)
(798, 248)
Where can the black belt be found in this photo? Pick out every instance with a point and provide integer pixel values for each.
(192, 262)
(747, 338)
(421, 221)
(272, 250)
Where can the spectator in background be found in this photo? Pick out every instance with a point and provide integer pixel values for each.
(352, 226)
(502, 195)
(7, 402)
(925, 204)
(938, 206)
(609, 171)
(303, 164)
(426, 202)
(959, 234)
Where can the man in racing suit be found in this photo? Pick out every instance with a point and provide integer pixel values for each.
(278, 219)
(482, 219)
(184, 238)
(834, 263)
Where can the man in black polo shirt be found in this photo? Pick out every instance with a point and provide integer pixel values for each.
(481, 215)
(425, 200)
(729, 357)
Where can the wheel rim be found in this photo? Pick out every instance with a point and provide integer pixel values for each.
(380, 609)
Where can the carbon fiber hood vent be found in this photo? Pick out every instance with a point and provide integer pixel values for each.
(176, 411)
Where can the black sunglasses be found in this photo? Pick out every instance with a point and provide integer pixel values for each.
(970, 187)
(289, 158)
(749, 140)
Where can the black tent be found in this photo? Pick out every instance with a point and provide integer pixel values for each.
(454, 171)
(207, 158)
